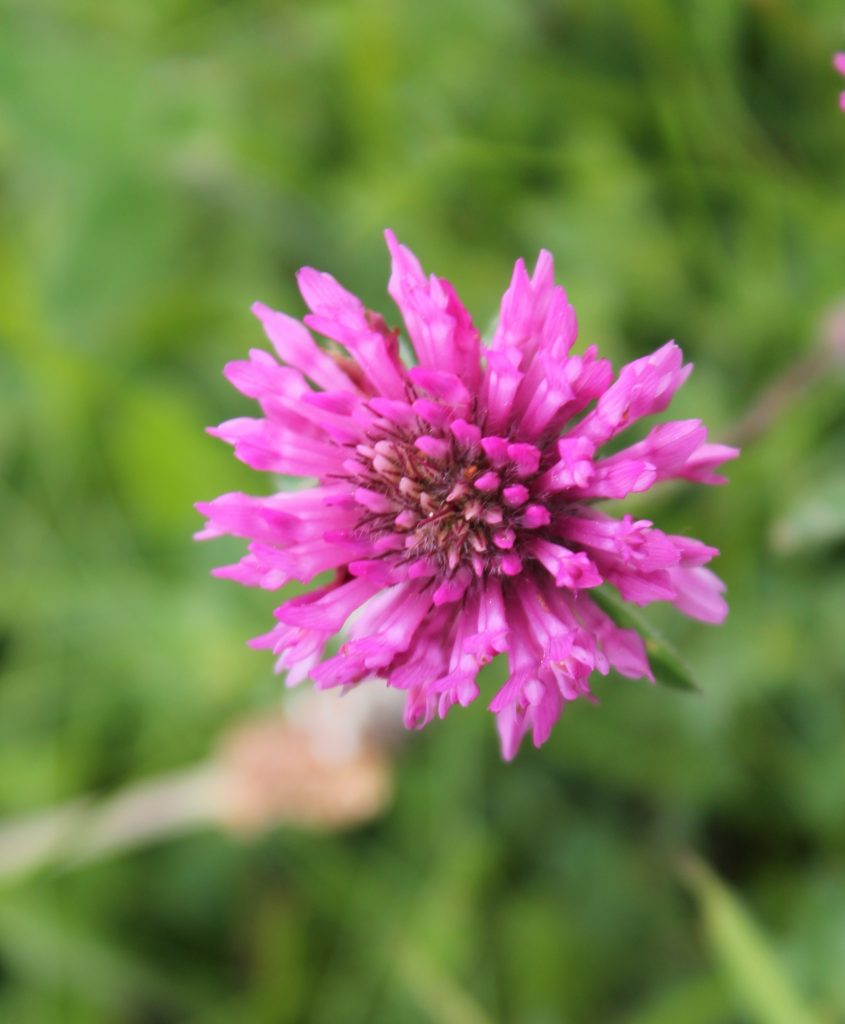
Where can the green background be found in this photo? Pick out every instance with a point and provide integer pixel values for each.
(163, 165)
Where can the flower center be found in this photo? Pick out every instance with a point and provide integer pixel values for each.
(449, 499)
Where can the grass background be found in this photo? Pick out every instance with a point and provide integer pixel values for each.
(162, 165)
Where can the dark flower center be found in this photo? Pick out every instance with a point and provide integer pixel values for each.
(454, 501)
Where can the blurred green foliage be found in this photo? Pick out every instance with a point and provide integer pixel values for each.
(162, 165)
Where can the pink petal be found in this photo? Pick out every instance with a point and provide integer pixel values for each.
(699, 467)
(643, 388)
(295, 346)
(698, 592)
(568, 569)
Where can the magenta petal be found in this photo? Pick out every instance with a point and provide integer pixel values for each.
(618, 479)
(295, 346)
(699, 594)
(575, 571)
(643, 388)
(700, 465)
(330, 611)
(440, 329)
(452, 589)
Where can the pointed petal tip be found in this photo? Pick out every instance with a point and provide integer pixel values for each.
(544, 269)
(306, 276)
(672, 346)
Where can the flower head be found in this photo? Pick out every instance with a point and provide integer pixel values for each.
(839, 64)
(456, 500)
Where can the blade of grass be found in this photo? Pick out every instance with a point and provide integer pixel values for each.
(743, 952)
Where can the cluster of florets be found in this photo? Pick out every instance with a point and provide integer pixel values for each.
(454, 501)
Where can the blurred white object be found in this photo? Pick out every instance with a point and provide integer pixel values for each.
(322, 762)
(341, 725)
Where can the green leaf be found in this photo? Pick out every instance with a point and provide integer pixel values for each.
(744, 954)
(668, 666)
